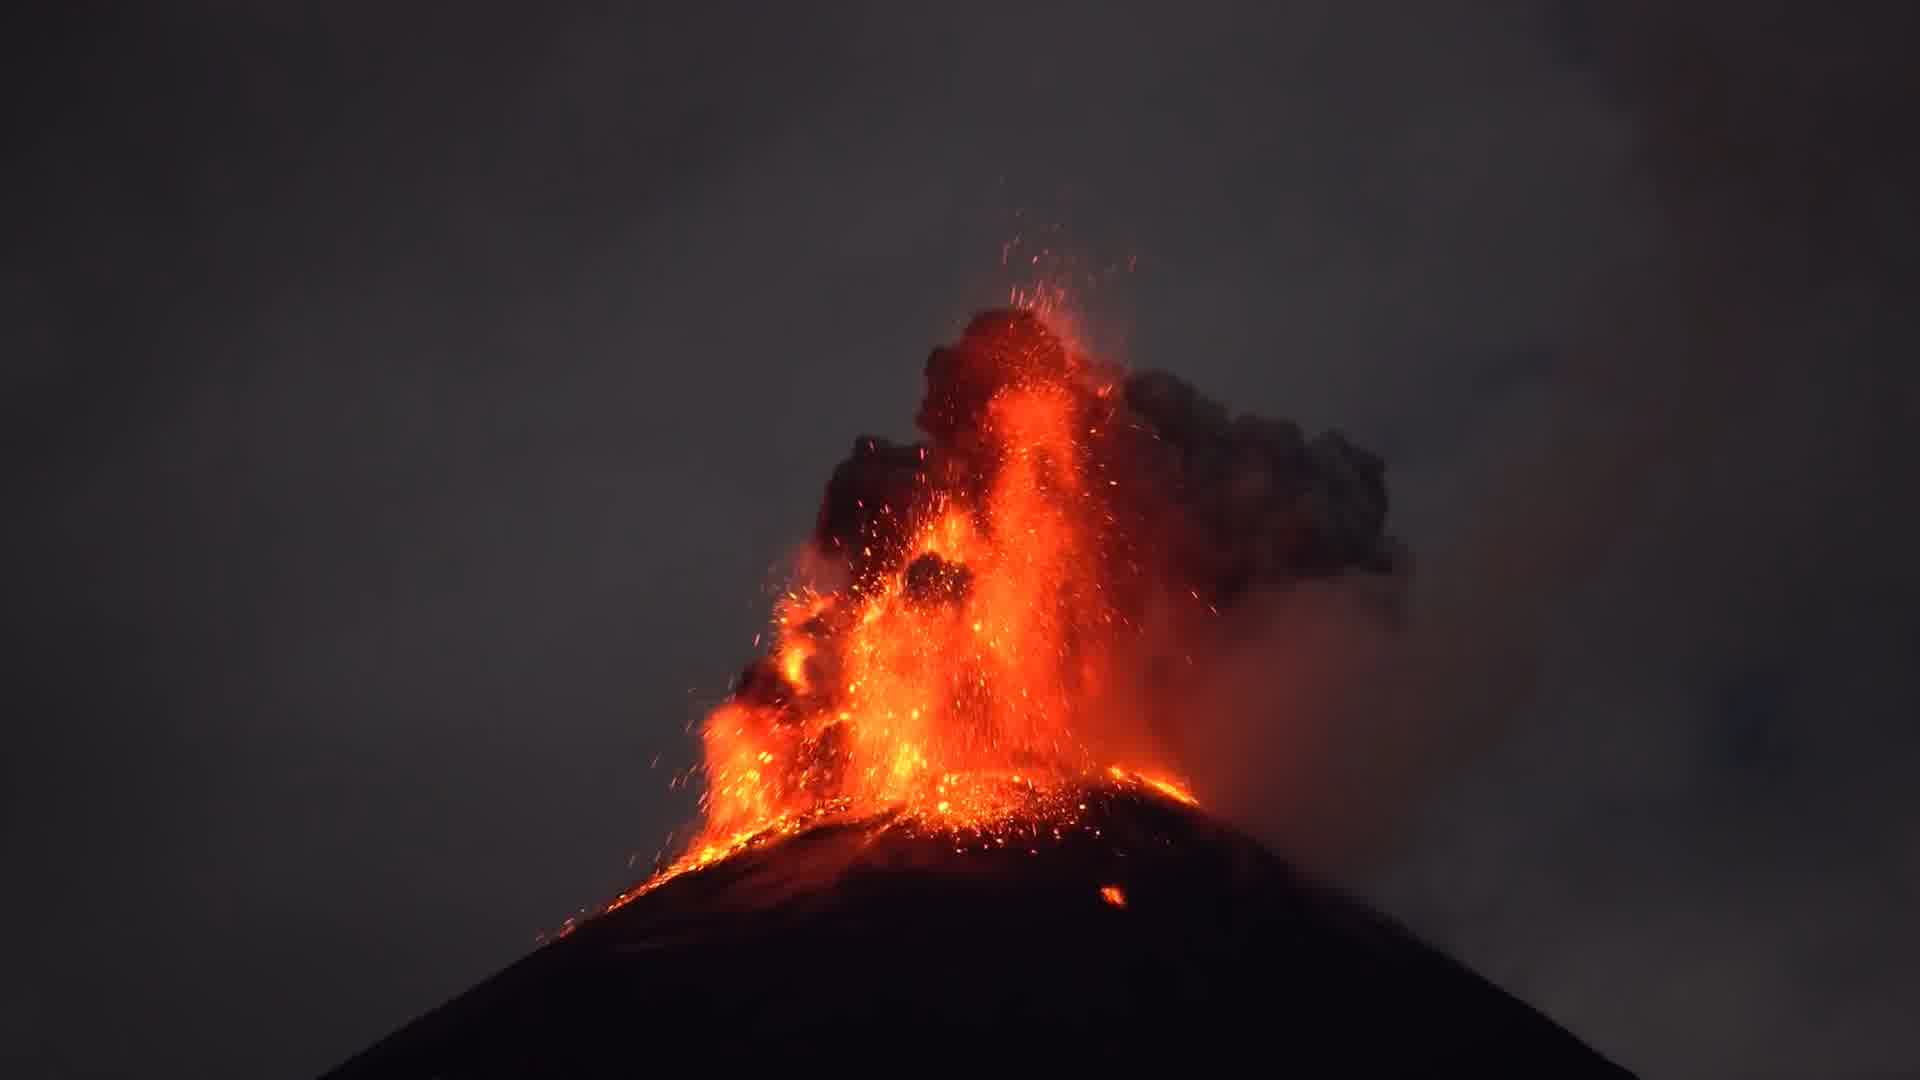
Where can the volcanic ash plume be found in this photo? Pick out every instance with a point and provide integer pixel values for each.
(991, 620)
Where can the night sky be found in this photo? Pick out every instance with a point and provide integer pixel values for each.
(409, 409)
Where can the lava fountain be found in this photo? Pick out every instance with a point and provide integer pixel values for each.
(969, 643)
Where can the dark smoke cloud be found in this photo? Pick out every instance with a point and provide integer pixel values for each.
(1227, 502)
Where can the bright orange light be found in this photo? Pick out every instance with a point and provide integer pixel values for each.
(956, 692)
(1114, 894)
(793, 664)
(1171, 790)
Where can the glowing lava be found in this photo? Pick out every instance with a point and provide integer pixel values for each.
(956, 672)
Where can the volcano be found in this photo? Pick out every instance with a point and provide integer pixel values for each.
(940, 820)
(1142, 933)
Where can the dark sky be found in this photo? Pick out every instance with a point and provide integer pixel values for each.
(410, 404)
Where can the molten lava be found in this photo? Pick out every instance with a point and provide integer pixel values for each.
(961, 650)
(952, 675)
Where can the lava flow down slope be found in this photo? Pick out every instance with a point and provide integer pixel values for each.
(942, 817)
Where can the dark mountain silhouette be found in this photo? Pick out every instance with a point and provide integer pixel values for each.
(1145, 934)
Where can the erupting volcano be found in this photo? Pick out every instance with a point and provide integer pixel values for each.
(971, 643)
(943, 815)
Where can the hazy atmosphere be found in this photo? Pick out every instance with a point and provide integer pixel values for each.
(413, 408)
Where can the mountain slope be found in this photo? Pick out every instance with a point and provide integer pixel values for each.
(1143, 933)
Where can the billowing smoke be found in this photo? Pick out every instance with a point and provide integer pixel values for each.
(1204, 500)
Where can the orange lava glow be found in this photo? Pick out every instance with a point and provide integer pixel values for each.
(968, 712)
(1114, 894)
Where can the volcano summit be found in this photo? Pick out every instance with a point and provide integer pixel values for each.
(1146, 934)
